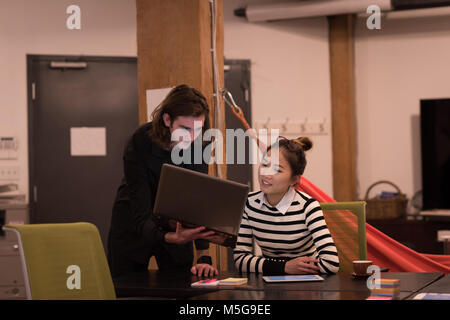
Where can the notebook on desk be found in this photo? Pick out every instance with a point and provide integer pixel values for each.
(293, 278)
(432, 296)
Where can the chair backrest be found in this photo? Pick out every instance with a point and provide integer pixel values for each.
(65, 261)
(347, 224)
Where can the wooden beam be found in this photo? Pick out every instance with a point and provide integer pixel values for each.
(174, 47)
(341, 43)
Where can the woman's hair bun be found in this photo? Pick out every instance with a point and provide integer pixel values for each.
(304, 142)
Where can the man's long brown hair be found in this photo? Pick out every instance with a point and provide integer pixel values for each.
(182, 100)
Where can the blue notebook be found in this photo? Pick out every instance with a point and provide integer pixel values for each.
(293, 278)
(432, 296)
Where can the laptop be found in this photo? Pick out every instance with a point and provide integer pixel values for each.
(197, 199)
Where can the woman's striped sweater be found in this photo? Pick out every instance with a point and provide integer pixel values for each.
(283, 233)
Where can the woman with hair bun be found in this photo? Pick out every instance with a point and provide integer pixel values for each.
(287, 224)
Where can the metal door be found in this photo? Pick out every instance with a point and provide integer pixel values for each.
(67, 93)
(237, 81)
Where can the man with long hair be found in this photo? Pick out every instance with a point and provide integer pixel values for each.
(135, 234)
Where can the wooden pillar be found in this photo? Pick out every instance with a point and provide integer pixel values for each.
(341, 42)
(174, 47)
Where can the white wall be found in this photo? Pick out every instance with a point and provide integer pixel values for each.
(395, 67)
(407, 60)
(290, 70)
(289, 76)
(108, 28)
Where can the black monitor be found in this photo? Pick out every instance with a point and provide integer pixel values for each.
(435, 147)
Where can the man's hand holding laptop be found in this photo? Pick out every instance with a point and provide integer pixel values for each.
(183, 235)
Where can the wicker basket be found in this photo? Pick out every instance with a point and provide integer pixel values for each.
(391, 208)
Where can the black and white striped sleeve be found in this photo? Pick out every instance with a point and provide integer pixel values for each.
(244, 258)
(315, 222)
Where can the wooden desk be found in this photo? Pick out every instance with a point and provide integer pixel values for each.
(287, 295)
(440, 286)
(172, 285)
(335, 287)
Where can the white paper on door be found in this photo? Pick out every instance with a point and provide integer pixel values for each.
(87, 141)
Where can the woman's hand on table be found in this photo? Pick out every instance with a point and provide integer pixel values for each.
(301, 265)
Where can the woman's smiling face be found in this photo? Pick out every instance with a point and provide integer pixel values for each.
(275, 179)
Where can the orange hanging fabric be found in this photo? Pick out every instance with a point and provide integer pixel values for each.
(381, 249)
(385, 251)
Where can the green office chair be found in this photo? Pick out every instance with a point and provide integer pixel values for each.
(62, 261)
(347, 224)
